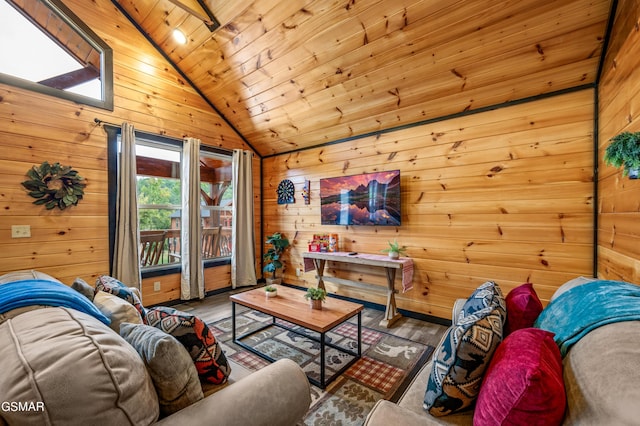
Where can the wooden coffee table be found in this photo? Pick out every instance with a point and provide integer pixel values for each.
(291, 306)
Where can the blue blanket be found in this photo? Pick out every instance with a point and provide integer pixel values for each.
(18, 294)
(588, 306)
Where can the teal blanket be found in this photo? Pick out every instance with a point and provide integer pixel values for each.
(18, 294)
(583, 308)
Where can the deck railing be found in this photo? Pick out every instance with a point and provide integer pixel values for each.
(218, 246)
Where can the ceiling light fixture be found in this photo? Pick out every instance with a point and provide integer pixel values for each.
(179, 36)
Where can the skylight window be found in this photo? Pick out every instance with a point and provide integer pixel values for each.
(50, 51)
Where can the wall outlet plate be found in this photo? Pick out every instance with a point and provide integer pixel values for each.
(20, 231)
(156, 286)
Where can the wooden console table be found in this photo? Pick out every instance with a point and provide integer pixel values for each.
(405, 265)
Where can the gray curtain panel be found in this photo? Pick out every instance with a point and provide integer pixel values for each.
(126, 266)
(192, 278)
(243, 254)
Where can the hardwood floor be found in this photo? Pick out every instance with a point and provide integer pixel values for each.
(216, 307)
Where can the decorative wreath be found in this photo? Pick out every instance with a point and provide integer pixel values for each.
(54, 185)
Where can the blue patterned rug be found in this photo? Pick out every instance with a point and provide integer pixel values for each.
(386, 368)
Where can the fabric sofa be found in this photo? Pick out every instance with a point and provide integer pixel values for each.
(600, 372)
(63, 366)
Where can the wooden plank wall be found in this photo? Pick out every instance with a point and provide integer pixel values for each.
(34, 128)
(619, 110)
(504, 195)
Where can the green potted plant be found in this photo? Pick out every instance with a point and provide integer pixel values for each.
(394, 250)
(315, 296)
(271, 291)
(272, 256)
(624, 151)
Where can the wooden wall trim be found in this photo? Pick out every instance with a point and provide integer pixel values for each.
(441, 118)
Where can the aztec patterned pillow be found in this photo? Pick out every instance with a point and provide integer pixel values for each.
(115, 287)
(464, 353)
(194, 335)
(482, 299)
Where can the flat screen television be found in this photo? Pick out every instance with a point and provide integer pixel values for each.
(365, 199)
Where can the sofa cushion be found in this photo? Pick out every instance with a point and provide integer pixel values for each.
(523, 308)
(463, 355)
(569, 285)
(115, 287)
(78, 369)
(116, 309)
(29, 274)
(601, 376)
(195, 335)
(523, 383)
(173, 373)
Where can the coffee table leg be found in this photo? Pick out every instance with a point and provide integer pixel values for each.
(233, 321)
(322, 383)
(359, 334)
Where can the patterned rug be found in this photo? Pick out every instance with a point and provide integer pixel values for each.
(387, 365)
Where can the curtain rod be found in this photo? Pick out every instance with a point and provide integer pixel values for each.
(100, 122)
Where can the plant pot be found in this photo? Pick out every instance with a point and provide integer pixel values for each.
(394, 255)
(315, 304)
(271, 294)
(633, 173)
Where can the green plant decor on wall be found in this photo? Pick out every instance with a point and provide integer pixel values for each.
(54, 185)
(624, 151)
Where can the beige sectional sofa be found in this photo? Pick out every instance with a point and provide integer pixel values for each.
(62, 366)
(601, 374)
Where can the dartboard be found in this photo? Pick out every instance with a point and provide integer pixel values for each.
(286, 191)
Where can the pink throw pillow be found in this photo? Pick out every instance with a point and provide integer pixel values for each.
(523, 308)
(523, 384)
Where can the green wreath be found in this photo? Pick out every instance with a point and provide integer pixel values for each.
(54, 185)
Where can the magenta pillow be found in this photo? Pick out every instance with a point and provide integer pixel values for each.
(523, 384)
(523, 308)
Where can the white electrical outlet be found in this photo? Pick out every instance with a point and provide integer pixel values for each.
(298, 272)
(156, 286)
(20, 231)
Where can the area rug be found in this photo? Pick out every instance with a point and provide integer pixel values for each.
(387, 365)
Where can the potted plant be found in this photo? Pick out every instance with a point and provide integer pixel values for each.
(271, 291)
(394, 250)
(315, 296)
(272, 256)
(624, 150)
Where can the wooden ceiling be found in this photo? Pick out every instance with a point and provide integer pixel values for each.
(295, 74)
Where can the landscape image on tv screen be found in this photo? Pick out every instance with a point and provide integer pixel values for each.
(366, 199)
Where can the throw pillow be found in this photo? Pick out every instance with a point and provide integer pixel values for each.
(113, 286)
(194, 335)
(116, 309)
(483, 299)
(523, 308)
(524, 383)
(459, 362)
(173, 373)
(82, 287)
